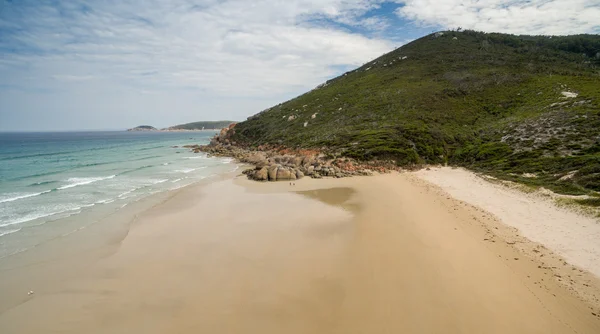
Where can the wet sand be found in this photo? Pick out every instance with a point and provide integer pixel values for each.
(384, 254)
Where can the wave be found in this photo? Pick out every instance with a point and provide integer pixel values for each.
(146, 184)
(87, 149)
(79, 181)
(42, 183)
(17, 157)
(105, 201)
(124, 195)
(75, 181)
(38, 175)
(34, 216)
(136, 169)
(198, 179)
(147, 158)
(93, 164)
(188, 170)
(16, 198)
(9, 232)
(81, 166)
(150, 148)
(185, 171)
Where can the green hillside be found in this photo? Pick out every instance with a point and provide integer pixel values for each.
(525, 108)
(201, 125)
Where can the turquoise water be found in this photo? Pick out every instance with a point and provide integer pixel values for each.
(48, 177)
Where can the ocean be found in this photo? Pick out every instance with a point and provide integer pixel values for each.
(54, 184)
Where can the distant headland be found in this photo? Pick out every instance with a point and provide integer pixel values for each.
(194, 126)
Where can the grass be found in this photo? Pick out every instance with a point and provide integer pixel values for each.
(488, 102)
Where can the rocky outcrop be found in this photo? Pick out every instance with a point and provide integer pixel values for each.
(224, 136)
(281, 164)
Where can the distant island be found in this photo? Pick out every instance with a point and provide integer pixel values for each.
(194, 126)
(143, 128)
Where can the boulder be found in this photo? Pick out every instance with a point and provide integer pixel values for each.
(261, 175)
(284, 174)
(310, 170)
(262, 164)
(316, 176)
(272, 172)
(307, 160)
(299, 174)
(255, 158)
(339, 175)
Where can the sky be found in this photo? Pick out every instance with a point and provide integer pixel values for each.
(114, 64)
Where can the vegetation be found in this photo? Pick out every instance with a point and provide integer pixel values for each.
(143, 128)
(523, 108)
(202, 125)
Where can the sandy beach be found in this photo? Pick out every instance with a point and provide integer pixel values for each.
(394, 253)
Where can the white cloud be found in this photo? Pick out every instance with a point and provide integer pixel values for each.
(215, 46)
(236, 49)
(534, 17)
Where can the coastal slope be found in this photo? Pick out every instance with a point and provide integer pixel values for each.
(524, 108)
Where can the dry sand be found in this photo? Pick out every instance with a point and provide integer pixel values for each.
(565, 242)
(383, 254)
(571, 235)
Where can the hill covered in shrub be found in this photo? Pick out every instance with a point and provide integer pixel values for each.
(525, 108)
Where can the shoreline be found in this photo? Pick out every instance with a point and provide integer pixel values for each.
(390, 252)
(75, 250)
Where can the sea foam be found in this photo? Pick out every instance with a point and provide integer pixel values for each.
(18, 197)
(79, 181)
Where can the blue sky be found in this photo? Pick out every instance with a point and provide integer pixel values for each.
(110, 64)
